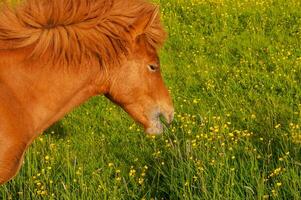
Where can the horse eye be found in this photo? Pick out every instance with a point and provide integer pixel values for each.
(153, 68)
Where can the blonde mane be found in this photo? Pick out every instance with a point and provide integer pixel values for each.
(71, 30)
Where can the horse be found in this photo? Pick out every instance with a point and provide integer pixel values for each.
(56, 54)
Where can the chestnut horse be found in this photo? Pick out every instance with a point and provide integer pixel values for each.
(56, 54)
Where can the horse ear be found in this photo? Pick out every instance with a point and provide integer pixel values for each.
(143, 23)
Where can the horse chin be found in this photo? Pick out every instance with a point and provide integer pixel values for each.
(156, 128)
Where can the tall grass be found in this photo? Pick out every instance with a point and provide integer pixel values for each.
(234, 70)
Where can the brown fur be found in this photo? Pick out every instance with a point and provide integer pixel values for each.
(70, 30)
(56, 54)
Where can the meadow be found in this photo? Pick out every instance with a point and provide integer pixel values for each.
(234, 71)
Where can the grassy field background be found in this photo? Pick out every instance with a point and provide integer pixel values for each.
(234, 70)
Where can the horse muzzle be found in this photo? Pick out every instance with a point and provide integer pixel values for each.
(156, 125)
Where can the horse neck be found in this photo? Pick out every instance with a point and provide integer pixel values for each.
(47, 93)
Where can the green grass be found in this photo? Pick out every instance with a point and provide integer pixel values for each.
(234, 70)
